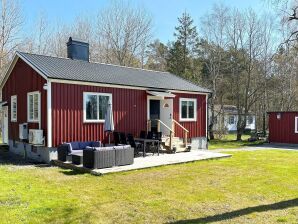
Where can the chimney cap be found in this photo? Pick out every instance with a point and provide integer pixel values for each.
(77, 40)
(77, 49)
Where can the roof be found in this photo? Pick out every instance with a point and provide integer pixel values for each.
(77, 70)
(271, 112)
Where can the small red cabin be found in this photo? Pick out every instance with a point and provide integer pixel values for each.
(65, 99)
(283, 127)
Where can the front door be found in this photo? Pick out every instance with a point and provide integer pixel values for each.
(166, 114)
(154, 113)
(5, 124)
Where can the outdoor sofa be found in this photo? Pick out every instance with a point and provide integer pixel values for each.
(104, 157)
(95, 156)
(70, 148)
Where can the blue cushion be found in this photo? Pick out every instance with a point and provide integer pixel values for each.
(75, 146)
(95, 144)
(83, 145)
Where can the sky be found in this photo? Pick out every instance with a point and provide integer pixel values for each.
(164, 12)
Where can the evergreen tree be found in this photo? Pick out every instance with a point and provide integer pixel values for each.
(183, 52)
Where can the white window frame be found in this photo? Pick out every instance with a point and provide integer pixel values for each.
(14, 99)
(85, 94)
(296, 125)
(180, 109)
(36, 120)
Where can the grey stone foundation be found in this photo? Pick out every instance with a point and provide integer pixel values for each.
(37, 153)
(199, 143)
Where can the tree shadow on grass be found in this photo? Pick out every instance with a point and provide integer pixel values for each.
(242, 212)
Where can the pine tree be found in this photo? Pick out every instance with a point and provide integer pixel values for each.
(186, 45)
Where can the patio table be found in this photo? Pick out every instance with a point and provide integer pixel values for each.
(145, 141)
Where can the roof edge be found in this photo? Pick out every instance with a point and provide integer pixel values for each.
(114, 85)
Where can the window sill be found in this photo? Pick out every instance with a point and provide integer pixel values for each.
(32, 121)
(94, 121)
(187, 120)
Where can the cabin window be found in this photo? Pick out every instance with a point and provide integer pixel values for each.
(231, 119)
(14, 108)
(250, 120)
(33, 106)
(188, 110)
(296, 124)
(95, 106)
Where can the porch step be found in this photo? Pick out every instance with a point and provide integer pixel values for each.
(176, 142)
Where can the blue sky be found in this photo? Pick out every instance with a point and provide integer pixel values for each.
(164, 12)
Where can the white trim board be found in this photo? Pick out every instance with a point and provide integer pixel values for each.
(86, 83)
(296, 125)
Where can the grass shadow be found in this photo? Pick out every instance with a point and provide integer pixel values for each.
(72, 172)
(242, 212)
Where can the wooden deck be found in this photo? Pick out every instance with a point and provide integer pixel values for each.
(150, 161)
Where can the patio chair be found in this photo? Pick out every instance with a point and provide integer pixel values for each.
(116, 137)
(143, 134)
(136, 145)
(123, 139)
(150, 135)
(157, 136)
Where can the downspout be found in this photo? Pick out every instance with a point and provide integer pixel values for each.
(49, 114)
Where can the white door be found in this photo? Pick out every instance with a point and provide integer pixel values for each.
(166, 115)
(5, 124)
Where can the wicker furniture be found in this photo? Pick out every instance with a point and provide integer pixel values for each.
(98, 158)
(77, 158)
(69, 148)
(104, 157)
(124, 155)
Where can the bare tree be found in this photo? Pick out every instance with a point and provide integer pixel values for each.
(10, 25)
(213, 47)
(123, 32)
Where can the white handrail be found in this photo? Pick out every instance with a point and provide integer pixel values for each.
(180, 125)
(163, 125)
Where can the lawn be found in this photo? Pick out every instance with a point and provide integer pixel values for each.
(229, 142)
(249, 187)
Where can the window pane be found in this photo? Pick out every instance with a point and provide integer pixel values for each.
(191, 111)
(31, 107)
(35, 106)
(184, 109)
(103, 105)
(91, 107)
(231, 120)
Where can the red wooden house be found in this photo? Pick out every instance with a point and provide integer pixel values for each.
(283, 127)
(66, 98)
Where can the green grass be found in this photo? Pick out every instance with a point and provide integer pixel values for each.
(229, 142)
(249, 187)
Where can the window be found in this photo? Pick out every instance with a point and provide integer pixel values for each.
(296, 124)
(250, 120)
(231, 119)
(95, 106)
(188, 109)
(33, 106)
(14, 108)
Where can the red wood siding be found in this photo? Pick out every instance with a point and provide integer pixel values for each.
(24, 79)
(283, 130)
(198, 128)
(129, 108)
